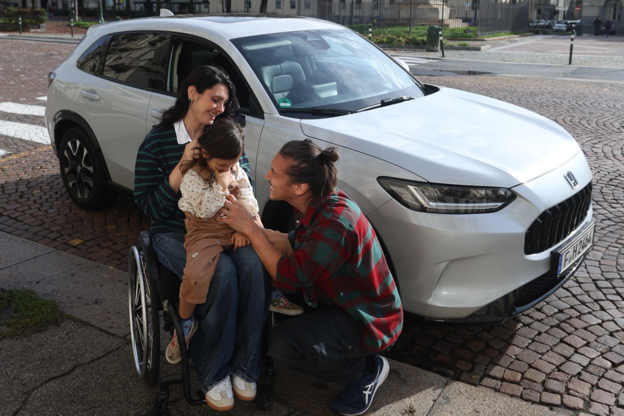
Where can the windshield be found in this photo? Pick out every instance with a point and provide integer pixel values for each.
(324, 69)
(561, 22)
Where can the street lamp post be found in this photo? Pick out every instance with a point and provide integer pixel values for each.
(101, 18)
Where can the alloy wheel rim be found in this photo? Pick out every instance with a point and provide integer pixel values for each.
(78, 169)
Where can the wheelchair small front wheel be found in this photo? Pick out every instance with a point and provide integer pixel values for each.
(143, 305)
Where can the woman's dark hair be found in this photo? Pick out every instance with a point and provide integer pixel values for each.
(311, 165)
(223, 140)
(203, 78)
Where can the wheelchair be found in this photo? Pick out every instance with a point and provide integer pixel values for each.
(153, 288)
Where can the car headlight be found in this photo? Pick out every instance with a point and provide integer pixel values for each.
(447, 199)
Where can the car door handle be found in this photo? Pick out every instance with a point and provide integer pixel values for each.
(90, 95)
(156, 114)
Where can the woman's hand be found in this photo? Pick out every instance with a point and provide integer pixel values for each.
(192, 151)
(239, 240)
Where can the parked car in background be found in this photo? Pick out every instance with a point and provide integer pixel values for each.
(483, 208)
(539, 24)
(561, 26)
(573, 24)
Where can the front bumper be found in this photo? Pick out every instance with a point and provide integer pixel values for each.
(449, 267)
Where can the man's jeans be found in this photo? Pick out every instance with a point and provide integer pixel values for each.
(324, 343)
(228, 338)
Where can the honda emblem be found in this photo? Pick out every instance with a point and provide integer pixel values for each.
(571, 180)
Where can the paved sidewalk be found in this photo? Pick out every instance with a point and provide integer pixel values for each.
(589, 51)
(85, 365)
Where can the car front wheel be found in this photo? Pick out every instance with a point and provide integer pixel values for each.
(82, 171)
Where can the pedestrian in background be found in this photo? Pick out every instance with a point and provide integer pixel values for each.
(607, 27)
(597, 24)
(51, 10)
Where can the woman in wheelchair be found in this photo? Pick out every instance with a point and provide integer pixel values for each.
(225, 349)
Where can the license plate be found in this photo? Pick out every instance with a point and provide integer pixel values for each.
(565, 256)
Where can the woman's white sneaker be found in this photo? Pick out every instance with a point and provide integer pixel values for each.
(242, 389)
(220, 397)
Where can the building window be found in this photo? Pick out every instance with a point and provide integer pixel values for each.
(293, 4)
(307, 4)
(278, 4)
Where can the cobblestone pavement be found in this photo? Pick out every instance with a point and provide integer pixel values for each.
(567, 353)
(547, 50)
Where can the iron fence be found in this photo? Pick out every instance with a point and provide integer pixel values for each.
(459, 18)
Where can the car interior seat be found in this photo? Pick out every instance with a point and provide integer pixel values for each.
(285, 77)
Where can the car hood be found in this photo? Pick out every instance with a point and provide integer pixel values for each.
(454, 137)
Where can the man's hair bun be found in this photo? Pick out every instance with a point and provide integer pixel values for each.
(330, 155)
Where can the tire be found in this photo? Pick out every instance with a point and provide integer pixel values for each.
(83, 171)
(143, 308)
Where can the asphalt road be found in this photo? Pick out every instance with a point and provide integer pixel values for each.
(446, 67)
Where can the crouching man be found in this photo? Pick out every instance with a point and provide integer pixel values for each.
(338, 265)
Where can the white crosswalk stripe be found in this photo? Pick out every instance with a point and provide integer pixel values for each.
(411, 60)
(22, 131)
(43, 98)
(29, 110)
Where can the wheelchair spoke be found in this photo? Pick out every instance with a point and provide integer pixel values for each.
(139, 325)
(137, 293)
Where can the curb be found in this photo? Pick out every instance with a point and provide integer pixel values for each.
(42, 38)
(422, 48)
(495, 38)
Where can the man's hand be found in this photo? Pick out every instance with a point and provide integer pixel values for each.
(239, 240)
(257, 220)
(236, 216)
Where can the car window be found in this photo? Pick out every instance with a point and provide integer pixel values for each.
(129, 58)
(161, 64)
(187, 54)
(335, 69)
(90, 60)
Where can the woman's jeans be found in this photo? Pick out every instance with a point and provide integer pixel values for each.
(231, 320)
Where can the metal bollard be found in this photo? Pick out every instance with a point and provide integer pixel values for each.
(441, 43)
(370, 32)
(571, 45)
(20, 24)
(71, 23)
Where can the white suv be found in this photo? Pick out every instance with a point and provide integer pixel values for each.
(483, 208)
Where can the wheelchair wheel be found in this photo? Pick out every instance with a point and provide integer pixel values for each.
(143, 304)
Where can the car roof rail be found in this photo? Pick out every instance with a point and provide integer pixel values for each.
(166, 12)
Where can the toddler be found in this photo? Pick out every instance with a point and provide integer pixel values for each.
(206, 182)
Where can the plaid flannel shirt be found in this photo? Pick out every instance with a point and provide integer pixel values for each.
(338, 260)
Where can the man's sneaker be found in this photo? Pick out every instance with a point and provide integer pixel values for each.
(243, 390)
(280, 304)
(220, 397)
(173, 353)
(357, 396)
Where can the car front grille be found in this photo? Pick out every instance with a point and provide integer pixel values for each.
(558, 222)
(538, 289)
